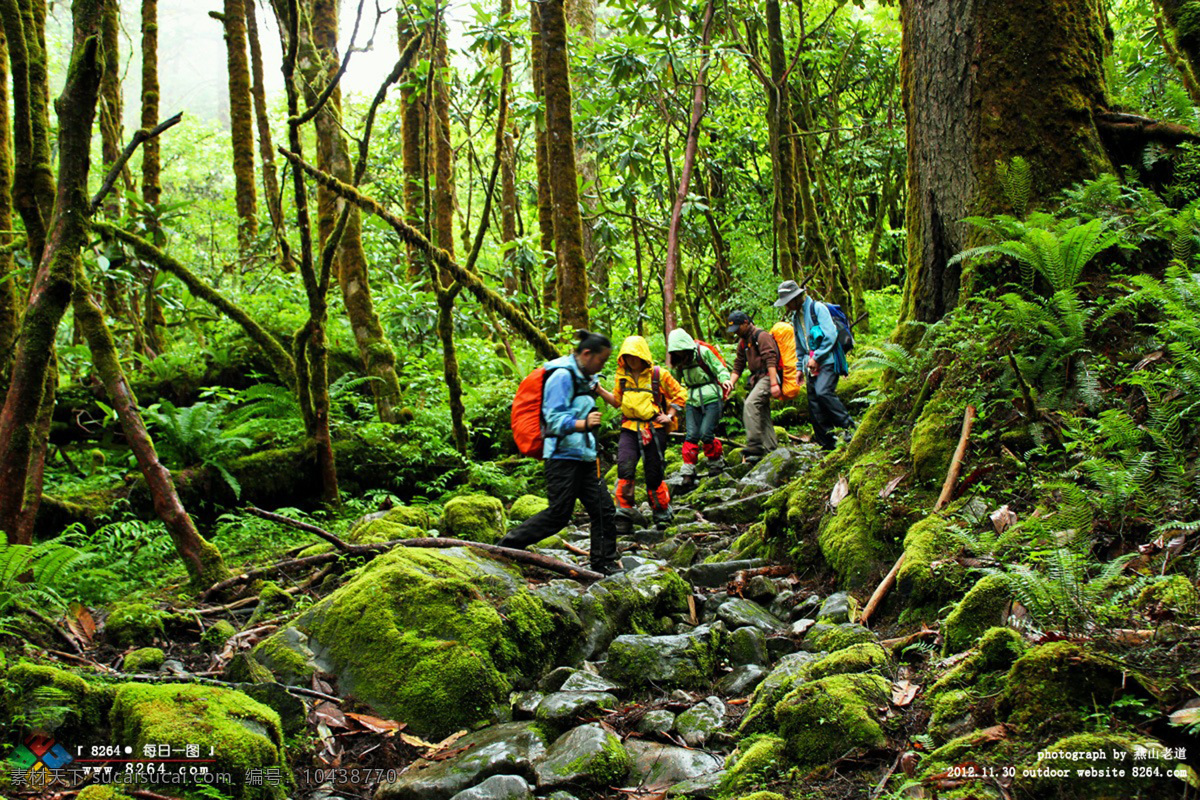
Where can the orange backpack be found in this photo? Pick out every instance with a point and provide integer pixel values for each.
(713, 350)
(528, 428)
(785, 339)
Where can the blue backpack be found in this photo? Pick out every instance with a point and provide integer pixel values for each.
(845, 335)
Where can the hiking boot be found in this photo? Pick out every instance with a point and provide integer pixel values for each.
(687, 482)
(624, 522)
(716, 466)
(849, 431)
(663, 518)
(608, 568)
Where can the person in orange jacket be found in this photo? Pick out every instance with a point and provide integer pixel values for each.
(650, 400)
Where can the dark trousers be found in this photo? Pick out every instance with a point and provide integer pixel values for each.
(629, 449)
(825, 409)
(702, 422)
(566, 482)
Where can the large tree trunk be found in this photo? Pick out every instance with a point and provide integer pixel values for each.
(568, 226)
(1183, 17)
(983, 82)
(9, 308)
(21, 457)
(266, 149)
(581, 19)
(545, 195)
(151, 166)
(241, 125)
(333, 155)
(783, 153)
(201, 558)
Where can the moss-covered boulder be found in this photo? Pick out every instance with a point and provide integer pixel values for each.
(929, 575)
(758, 760)
(242, 733)
(433, 638)
(475, 518)
(526, 506)
(826, 637)
(133, 624)
(272, 600)
(985, 666)
(589, 756)
(979, 610)
(55, 701)
(1054, 684)
(144, 659)
(1174, 594)
(931, 442)
(822, 720)
(217, 635)
(951, 714)
(679, 660)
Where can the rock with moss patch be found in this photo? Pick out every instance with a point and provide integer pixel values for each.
(587, 756)
(656, 721)
(738, 612)
(498, 787)
(985, 666)
(740, 511)
(55, 700)
(243, 734)
(96, 792)
(511, 748)
(931, 442)
(526, 506)
(700, 722)
(824, 719)
(272, 600)
(133, 624)
(742, 680)
(923, 585)
(561, 710)
(980, 609)
(641, 600)
(758, 760)
(144, 659)
(799, 668)
(658, 766)
(679, 660)
(824, 636)
(217, 635)
(434, 638)
(475, 518)
(1174, 594)
(837, 608)
(747, 645)
(777, 467)
(951, 715)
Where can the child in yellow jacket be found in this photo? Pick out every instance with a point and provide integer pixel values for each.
(650, 399)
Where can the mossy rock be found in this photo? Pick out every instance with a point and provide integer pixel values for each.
(855, 659)
(433, 638)
(642, 600)
(929, 575)
(475, 518)
(96, 792)
(822, 720)
(56, 701)
(979, 610)
(377, 531)
(758, 760)
(1054, 684)
(994, 654)
(217, 635)
(272, 600)
(1174, 593)
(242, 733)
(144, 659)
(933, 437)
(133, 624)
(1080, 760)
(829, 638)
(763, 796)
(526, 506)
(949, 710)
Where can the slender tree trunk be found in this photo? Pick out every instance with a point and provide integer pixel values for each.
(508, 165)
(241, 124)
(637, 258)
(151, 166)
(333, 155)
(9, 304)
(581, 21)
(685, 175)
(568, 226)
(1183, 18)
(413, 147)
(112, 135)
(201, 559)
(21, 457)
(266, 149)
(545, 195)
(983, 82)
(783, 159)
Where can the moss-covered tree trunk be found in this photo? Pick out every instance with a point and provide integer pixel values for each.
(9, 308)
(201, 558)
(513, 282)
(111, 105)
(581, 21)
(23, 418)
(151, 163)
(783, 154)
(266, 150)
(414, 134)
(983, 82)
(545, 195)
(1183, 18)
(571, 269)
(333, 155)
(241, 122)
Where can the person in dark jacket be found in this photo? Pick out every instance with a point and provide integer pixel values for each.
(757, 352)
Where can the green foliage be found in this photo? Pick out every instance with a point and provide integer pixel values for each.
(52, 569)
(1016, 176)
(194, 436)
(1057, 254)
(1069, 593)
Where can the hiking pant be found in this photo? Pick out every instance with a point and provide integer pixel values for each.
(566, 482)
(756, 415)
(702, 428)
(825, 409)
(629, 450)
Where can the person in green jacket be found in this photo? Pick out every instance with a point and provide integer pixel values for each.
(701, 371)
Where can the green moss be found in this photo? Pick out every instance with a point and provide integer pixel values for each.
(1054, 684)
(981, 746)
(271, 601)
(644, 606)
(280, 654)
(217, 635)
(101, 793)
(948, 708)
(823, 719)
(828, 637)
(930, 575)
(933, 437)
(133, 624)
(242, 733)
(995, 652)
(212, 566)
(610, 765)
(145, 659)
(1175, 593)
(981, 608)
(55, 700)
(758, 760)
(381, 530)
(1085, 777)
(475, 518)
(526, 506)
(763, 796)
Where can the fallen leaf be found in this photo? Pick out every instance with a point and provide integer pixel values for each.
(449, 740)
(443, 755)
(1003, 518)
(903, 692)
(416, 741)
(1148, 359)
(839, 492)
(331, 715)
(319, 685)
(739, 701)
(1185, 716)
(908, 763)
(387, 727)
(892, 484)
(80, 621)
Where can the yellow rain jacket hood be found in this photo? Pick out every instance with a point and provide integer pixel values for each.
(636, 395)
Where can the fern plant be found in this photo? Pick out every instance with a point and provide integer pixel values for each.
(1016, 177)
(1059, 254)
(194, 436)
(48, 568)
(1069, 594)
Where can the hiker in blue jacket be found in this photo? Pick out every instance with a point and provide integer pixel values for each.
(817, 337)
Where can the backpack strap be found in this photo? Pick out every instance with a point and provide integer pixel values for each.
(708, 370)
(656, 388)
